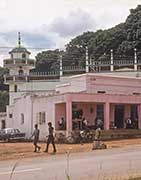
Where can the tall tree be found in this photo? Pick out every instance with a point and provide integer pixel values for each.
(122, 38)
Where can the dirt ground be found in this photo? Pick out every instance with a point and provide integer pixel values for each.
(16, 150)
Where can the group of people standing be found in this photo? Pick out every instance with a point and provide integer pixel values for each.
(50, 138)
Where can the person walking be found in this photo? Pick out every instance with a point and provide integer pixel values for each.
(97, 139)
(36, 138)
(50, 138)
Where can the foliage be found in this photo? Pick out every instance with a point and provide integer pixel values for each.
(4, 99)
(3, 87)
(122, 38)
(47, 60)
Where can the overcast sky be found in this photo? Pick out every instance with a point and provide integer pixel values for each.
(53, 23)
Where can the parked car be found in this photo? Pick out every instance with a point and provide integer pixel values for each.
(9, 134)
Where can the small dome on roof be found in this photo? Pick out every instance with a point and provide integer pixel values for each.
(19, 49)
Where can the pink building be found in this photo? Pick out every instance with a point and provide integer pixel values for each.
(111, 92)
(111, 98)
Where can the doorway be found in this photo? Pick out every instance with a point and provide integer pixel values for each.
(119, 116)
(3, 124)
(134, 116)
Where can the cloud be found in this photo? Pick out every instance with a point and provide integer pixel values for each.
(74, 23)
(51, 24)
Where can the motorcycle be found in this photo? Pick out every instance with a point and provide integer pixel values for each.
(83, 136)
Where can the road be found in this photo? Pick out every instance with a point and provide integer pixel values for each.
(94, 165)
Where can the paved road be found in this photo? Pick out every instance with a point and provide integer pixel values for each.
(81, 166)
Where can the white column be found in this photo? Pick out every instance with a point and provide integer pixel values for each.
(106, 116)
(26, 78)
(112, 59)
(135, 59)
(87, 60)
(14, 78)
(26, 61)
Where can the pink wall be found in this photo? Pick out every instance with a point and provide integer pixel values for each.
(93, 83)
(113, 85)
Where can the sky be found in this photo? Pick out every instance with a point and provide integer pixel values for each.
(51, 24)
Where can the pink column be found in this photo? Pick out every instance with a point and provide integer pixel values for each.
(139, 116)
(94, 113)
(112, 113)
(127, 112)
(69, 117)
(106, 116)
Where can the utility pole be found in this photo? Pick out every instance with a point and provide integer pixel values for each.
(61, 65)
(135, 59)
(112, 61)
(87, 59)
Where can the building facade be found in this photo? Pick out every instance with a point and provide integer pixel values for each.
(113, 95)
(113, 99)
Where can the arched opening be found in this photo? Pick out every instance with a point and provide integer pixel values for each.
(3, 124)
(21, 72)
(15, 88)
(23, 55)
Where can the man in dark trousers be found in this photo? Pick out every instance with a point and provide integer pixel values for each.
(36, 138)
(50, 138)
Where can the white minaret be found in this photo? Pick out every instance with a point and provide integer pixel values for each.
(19, 65)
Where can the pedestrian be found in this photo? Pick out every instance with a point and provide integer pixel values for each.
(97, 139)
(36, 138)
(62, 123)
(84, 123)
(99, 123)
(128, 123)
(50, 138)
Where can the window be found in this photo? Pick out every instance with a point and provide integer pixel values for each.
(15, 88)
(10, 115)
(23, 55)
(41, 117)
(17, 130)
(102, 92)
(21, 72)
(136, 93)
(22, 118)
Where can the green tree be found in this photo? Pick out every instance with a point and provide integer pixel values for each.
(122, 38)
(47, 60)
(4, 99)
